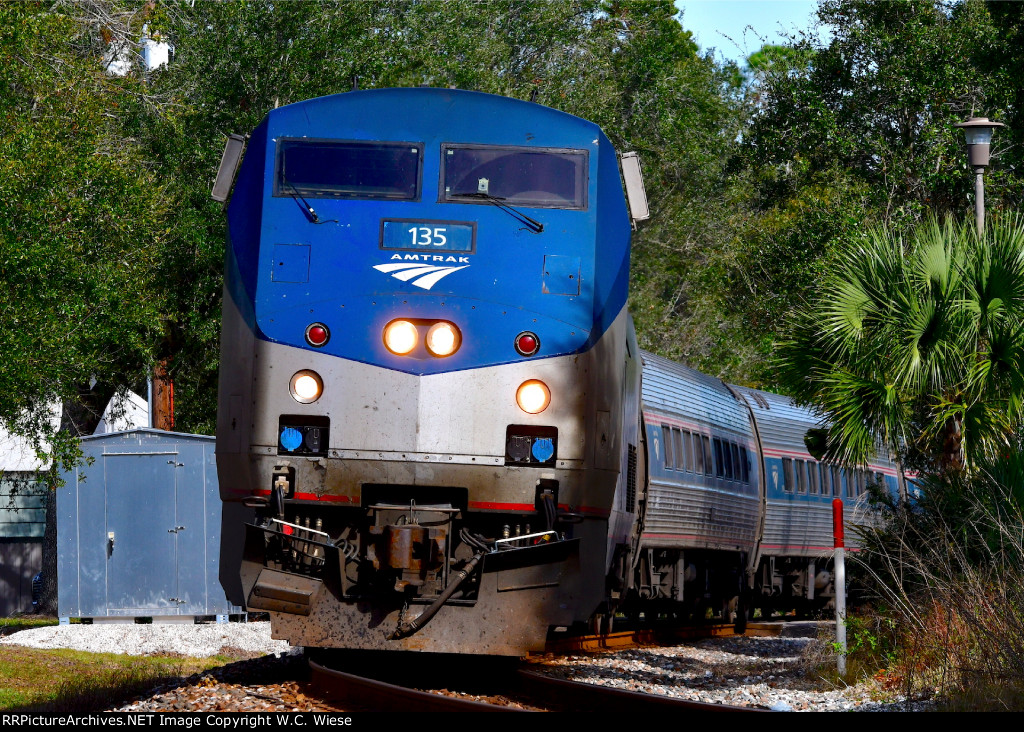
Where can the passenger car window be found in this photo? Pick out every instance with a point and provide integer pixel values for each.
(677, 444)
(719, 468)
(688, 450)
(737, 471)
(801, 476)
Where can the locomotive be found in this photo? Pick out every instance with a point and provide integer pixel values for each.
(432, 398)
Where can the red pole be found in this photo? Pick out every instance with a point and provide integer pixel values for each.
(837, 523)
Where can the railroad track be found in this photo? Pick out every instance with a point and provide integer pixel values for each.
(649, 636)
(517, 690)
(384, 696)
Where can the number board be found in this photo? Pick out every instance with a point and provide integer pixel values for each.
(417, 235)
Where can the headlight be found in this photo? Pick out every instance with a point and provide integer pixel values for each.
(533, 396)
(306, 386)
(400, 337)
(443, 339)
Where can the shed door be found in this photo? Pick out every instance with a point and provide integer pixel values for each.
(140, 504)
(190, 513)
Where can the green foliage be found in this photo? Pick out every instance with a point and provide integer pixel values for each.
(871, 637)
(854, 131)
(872, 648)
(81, 223)
(77, 682)
(114, 250)
(916, 343)
(879, 99)
(780, 255)
(775, 59)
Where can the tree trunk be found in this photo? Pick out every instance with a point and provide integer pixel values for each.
(48, 593)
(952, 446)
(163, 396)
(901, 479)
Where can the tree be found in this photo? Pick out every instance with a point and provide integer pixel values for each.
(81, 226)
(853, 129)
(916, 344)
(879, 100)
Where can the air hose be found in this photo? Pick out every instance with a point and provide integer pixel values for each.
(407, 629)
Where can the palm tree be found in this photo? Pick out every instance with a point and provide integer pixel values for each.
(916, 344)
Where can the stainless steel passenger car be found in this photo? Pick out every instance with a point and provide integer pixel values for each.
(701, 518)
(737, 513)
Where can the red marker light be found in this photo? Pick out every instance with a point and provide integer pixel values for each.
(317, 334)
(286, 529)
(527, 343)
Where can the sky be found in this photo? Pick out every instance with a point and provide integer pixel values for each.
(714, 22)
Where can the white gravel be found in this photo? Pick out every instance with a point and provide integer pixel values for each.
(196, 640)
(768, 673)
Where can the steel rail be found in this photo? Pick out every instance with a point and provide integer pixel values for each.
(528, 687)
(377, 695)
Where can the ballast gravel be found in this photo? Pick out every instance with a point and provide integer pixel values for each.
(761, 672)
(197, 640)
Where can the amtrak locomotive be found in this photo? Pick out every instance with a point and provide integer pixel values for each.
(430, 392)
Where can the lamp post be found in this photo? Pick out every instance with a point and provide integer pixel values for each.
(978, 131)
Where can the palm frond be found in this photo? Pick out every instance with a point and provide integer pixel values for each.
(917, 341)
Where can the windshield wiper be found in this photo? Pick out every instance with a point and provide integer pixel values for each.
(297, 197)
(535, 226)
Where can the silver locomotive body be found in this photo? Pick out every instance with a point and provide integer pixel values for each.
(377, 525)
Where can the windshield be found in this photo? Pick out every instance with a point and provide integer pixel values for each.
(521, 176)
(346, 169)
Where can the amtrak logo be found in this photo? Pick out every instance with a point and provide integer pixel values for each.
(419, 273)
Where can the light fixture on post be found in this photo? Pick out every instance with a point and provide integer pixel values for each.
(978, 131)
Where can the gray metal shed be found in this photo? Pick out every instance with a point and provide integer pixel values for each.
(139, 528)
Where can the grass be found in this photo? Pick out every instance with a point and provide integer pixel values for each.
(24, 622)
(77, 682)
(871, 650)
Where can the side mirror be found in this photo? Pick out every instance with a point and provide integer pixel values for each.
(228, 167)
(636, 194)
